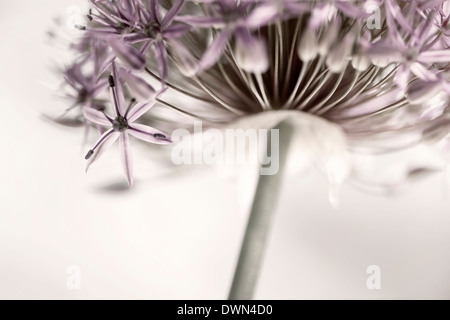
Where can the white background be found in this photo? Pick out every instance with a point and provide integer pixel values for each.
(176, 235)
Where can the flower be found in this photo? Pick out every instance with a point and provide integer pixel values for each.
(121, 125)
(131, 22)
(229, 60)
(232, 18)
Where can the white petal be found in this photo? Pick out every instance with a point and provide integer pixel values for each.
(251, 54)
(308, 47)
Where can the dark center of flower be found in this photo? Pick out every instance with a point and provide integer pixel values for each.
(82, 95)
(232, 16)
(152, 30)
(124, 28)
(411, 55)
(120, 124)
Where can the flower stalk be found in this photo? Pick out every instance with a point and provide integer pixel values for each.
(259, 223)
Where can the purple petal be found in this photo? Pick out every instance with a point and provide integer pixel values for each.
(126, 156)
(176, 30)
(383, 54)
(135, 37)
(138, 110)
(296, 8)
(129, 55)
(188, 64)
(393, 10)
(105, 141)
(148, 134)
(402, 76)
(422, 72)
(140, 88)
(319, 15)
(154, 10)
(96, 116)
(437, 56)
(214, 50)
(421, 91)
(161, 59)
(261, 15)
(174, 10)
(350, 10)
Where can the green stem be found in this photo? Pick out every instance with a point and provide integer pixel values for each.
(258, 226)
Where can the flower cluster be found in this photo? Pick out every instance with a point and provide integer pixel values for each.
(379, 69)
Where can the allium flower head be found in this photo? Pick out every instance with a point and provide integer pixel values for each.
(122, 124)
(384, 86)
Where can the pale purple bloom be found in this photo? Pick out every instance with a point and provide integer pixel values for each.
(132, 22)
(85, 87)
(122, 124)
(412, 56)
(231, 60)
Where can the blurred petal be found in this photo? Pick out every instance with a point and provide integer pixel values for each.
(393, 9)
(402, 76)
(126, 156)
(261, 15)
(420, 91)
(319, 15)
(422, 72)
(214, 50)
(383, 54)
(96, 116)
(140, 88)
(308, 47)
(350, 10)
(138, 110)
(176, 30)
(174, 10)
(161, 59)
(129, 55)
(437, 56)
(187, 63)
(251, 54)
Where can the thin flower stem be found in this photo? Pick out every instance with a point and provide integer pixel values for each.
(262, 88)
(288, 103)
(342, 97)
(216, 97)
(319, 105)
(315, 91)
(258, 226)
(310, 80)
(233, 86)
(278, 48)
(291, 56)
(189, 94)
(187, 113)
